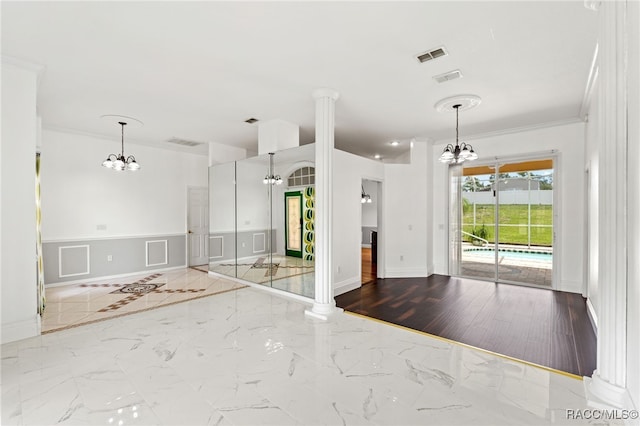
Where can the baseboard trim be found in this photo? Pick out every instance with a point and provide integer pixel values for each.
(406, 272)
(110, 277)
(346, 285)
(21, 330)
(570, 286)
(604, 395)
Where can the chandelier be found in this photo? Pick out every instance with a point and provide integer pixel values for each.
(366, 198)
(270, 178)
(459, 153)
(120, 162)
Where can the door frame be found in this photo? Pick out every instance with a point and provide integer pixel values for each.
(188, 233)
(556, 157)
(292, 253)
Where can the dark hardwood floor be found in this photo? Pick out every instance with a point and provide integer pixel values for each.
(369, 269)
(541, 326)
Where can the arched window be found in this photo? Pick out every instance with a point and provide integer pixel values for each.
(304, 176)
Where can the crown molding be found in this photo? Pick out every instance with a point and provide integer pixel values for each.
(591, 82)
(34, 67)
(512, 130)
(144, 142)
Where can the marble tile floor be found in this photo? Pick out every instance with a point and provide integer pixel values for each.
(290, 274)
(248, 357)
(76, 304)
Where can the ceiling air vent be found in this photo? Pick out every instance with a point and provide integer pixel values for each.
(184, 142)
(432, 54)
(251, 120)
(451, 75)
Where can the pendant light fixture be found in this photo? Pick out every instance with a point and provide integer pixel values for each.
(366, 198)
(270, 178)
(120, 162)
(459, 153)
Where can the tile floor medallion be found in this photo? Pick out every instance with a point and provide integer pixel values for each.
(247, 357)
(78, 304)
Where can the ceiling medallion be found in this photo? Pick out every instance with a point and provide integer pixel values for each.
(464, 102)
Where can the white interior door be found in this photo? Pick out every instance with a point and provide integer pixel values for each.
(198, 224)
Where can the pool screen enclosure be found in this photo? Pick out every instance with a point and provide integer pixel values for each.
(501, 221)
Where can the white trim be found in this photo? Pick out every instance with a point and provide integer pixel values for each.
(603, 394)
(122, 237)
(593, 317)
(591, 83)
(136, 141)
(20, 330)
(34, 67)
(266, 288)
(406, 272)
(146, 254)
(221, 246)
(513, 130)
(346, 285)
(109, 277)
(264, 245)
(88, 254)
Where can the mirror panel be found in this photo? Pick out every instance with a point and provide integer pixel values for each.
(222, 219)
(254, 215)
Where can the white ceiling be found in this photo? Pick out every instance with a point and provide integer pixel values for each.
(197, 70)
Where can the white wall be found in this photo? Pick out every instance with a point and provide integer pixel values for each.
(407, 215)
(348, 172)
(18, 294)
(568, 140)
(78, 194)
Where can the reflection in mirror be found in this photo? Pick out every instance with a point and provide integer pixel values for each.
(294, 221)
(274, 220)
(222, 219)
(253, 215)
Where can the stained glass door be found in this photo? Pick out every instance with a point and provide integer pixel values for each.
(293, 223)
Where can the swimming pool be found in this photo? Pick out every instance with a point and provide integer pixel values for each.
(510, 254)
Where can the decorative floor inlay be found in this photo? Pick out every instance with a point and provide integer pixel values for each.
(137, 288)
(74, 305)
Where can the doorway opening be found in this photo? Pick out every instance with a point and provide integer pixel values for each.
(369, 250)
(502, 224)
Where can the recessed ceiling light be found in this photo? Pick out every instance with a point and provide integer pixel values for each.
(395, 143)
(377, 156)
(251, 120)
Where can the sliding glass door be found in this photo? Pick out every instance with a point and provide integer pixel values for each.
(506, 225)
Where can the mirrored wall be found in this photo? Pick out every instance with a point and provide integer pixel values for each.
(262, 219)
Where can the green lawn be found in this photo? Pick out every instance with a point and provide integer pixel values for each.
(513, 223)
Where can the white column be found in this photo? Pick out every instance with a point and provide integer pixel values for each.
(324, 303)
(609, 379)
(19, 317)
